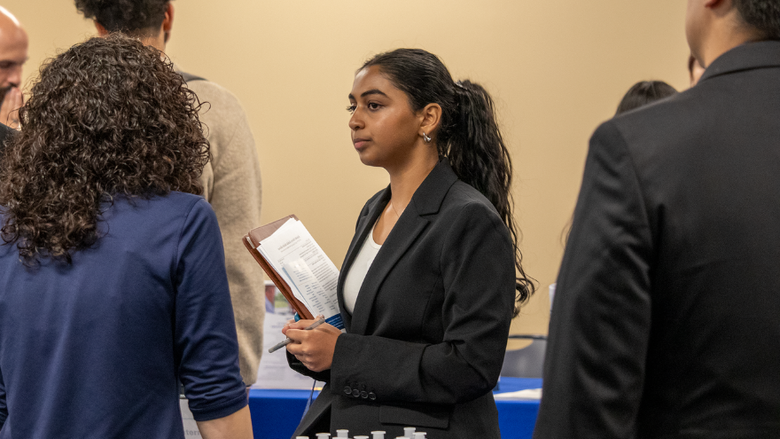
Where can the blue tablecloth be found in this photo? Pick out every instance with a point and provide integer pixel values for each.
(276, 413)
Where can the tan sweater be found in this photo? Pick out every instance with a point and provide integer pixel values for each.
(232, 185)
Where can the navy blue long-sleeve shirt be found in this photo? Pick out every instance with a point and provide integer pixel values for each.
(96, 349)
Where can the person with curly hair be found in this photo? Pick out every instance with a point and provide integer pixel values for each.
(231, 179)
(113, 287)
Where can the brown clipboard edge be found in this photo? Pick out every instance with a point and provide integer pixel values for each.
(251, 245)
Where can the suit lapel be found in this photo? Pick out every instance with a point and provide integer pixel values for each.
(365, 224)
(426, 201)
(402, 236)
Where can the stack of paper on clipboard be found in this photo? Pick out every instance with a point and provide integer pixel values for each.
(296, 264)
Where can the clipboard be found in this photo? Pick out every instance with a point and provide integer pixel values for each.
(252, 241)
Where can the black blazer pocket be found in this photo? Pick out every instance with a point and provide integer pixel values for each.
(418, 415)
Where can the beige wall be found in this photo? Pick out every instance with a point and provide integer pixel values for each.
(556, 69)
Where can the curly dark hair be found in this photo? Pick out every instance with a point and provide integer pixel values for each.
(762, 15)
(138, 18)
(109, 117)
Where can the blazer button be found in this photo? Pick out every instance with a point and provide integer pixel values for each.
(372, 396)
(347, 390)
(364, 394)
(355, 393)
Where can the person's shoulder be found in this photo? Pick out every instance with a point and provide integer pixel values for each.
(186, 202)
(170, 198)
(463, 194)
(663, 111)
(662, 127)
(467, 212)
(182, 209)
(215, 94)
(205, 86)
(464, 200)
(165, 207)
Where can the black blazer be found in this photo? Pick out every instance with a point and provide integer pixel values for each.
(666, 323)
(425, 344)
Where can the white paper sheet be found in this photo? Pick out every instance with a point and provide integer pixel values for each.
(300, 261)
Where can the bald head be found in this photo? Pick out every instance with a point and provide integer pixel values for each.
(13, 50)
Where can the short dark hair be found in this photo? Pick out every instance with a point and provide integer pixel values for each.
(762, 15)
(138, 18)
(643, 93)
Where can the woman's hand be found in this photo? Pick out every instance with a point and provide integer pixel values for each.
(314, 348)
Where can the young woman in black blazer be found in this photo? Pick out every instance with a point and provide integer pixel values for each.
(432, 277)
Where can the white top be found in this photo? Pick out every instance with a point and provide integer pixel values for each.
(358, 270)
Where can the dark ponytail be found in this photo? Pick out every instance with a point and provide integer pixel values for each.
(468, 135)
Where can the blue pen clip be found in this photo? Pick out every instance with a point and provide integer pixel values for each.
(296, 317)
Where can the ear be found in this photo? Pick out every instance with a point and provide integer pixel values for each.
(167, 24)
(102, 32)
(430, 119)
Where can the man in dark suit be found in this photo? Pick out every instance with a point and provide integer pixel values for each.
(667, 317)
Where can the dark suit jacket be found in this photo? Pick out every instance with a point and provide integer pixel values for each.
(666, 323)
(425, 344)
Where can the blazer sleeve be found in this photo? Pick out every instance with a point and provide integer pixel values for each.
(478, 281)
(600, 326)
